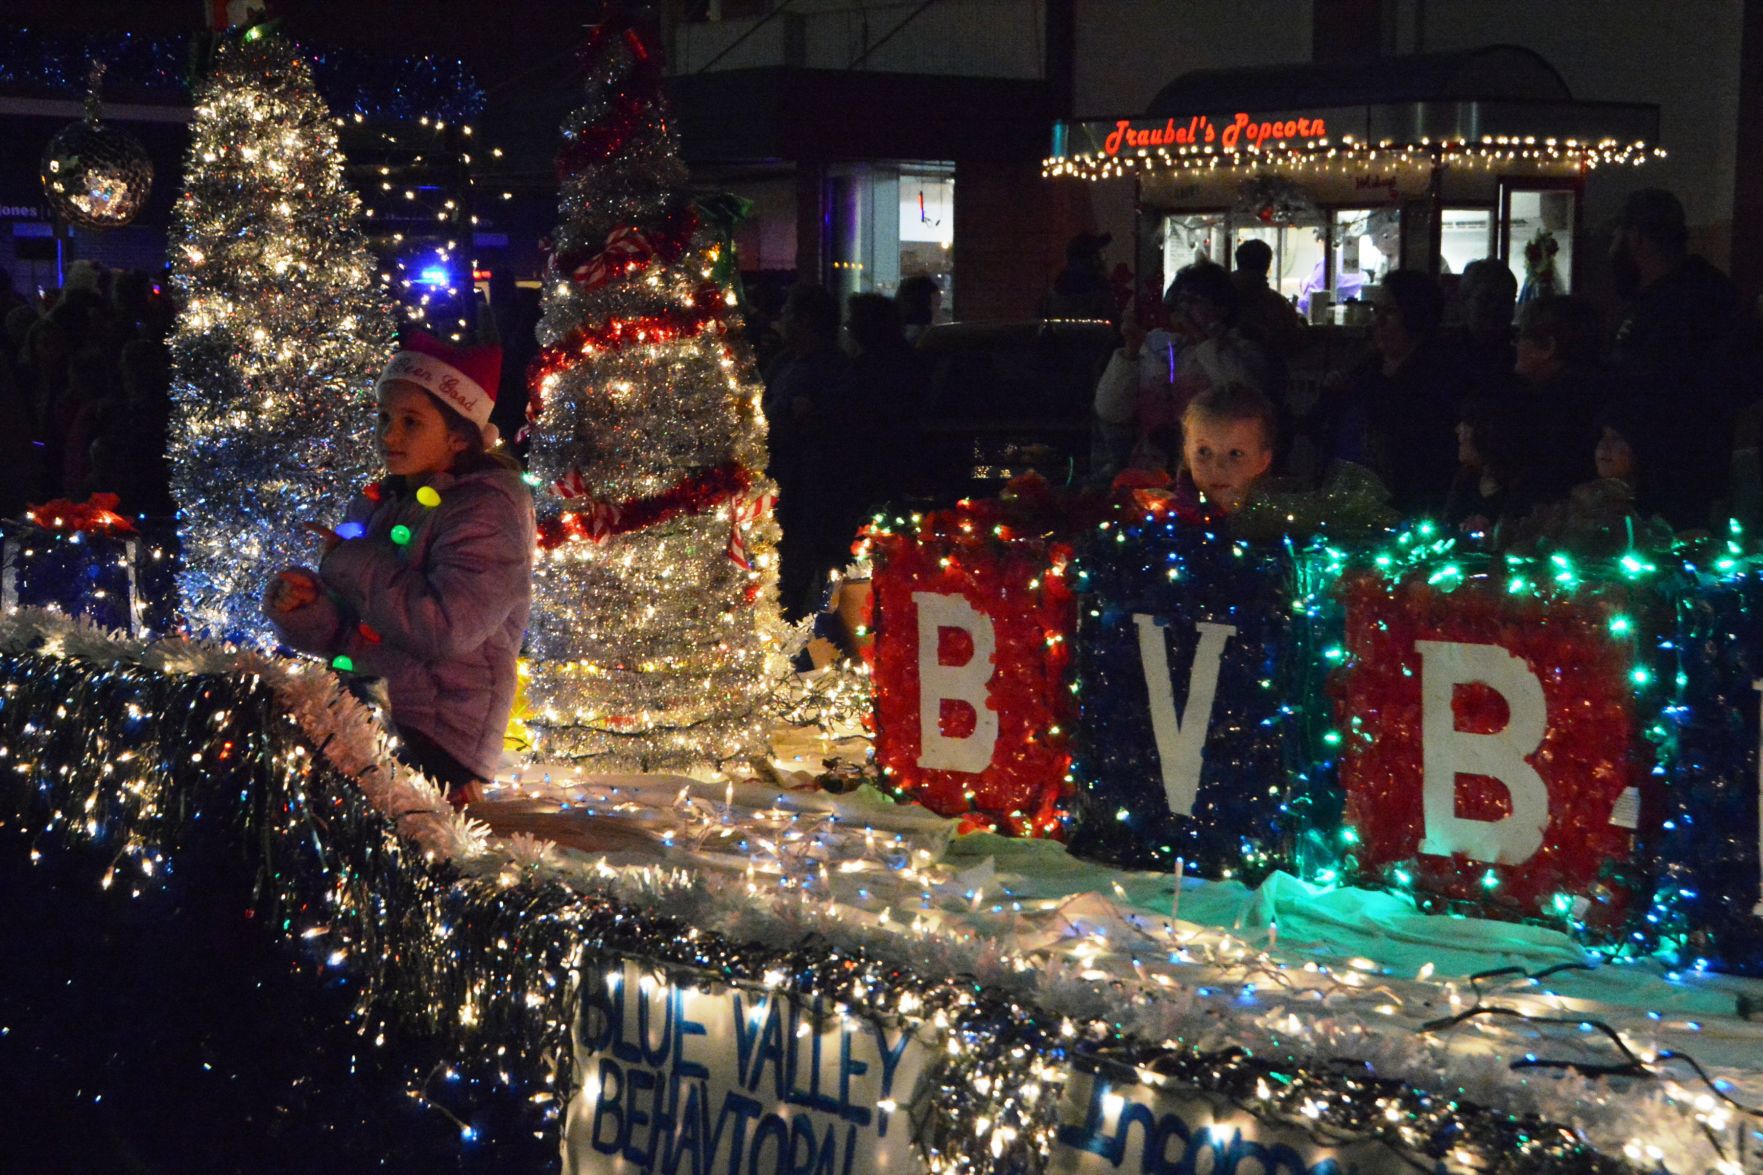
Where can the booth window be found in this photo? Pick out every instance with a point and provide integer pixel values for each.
(1465, 235)
(1193, 237)
(1297, 254)
(1538, 223)
(1367, 245)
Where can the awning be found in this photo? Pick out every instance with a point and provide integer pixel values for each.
(1499, 103)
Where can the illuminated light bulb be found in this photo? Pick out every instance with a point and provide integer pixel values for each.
(428, 496)
(401, 535)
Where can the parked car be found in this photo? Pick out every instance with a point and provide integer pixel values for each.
(1004, 398)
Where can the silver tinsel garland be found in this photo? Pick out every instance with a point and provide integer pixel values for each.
(280, 335)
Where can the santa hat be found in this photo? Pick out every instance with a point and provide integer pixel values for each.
(463, 378)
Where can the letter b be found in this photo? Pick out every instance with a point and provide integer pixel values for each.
(1447, 752)
(957, 683)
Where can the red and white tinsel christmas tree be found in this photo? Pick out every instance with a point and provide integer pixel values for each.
(655, 637)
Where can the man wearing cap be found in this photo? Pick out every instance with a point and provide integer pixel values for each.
(1674, 346)
(1081, 290)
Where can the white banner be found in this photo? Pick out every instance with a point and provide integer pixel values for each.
(735, 1082)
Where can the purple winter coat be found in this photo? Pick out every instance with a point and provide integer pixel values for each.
(449, 607)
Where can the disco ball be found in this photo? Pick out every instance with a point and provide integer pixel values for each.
(96, 176)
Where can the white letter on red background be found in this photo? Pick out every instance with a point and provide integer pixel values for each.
(957, 683)
(1181, 739)
(1447, 752)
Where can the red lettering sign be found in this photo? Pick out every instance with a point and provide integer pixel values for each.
(1239, 131)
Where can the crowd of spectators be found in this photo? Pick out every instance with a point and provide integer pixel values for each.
(85, 391)
(844, 388)
(1523, 427)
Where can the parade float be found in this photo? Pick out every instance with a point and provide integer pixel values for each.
(1133, 844)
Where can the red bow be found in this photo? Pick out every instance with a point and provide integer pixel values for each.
(96, 515)
(595, 521)
(626, 249)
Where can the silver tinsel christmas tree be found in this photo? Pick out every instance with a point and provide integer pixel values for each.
(655, 637)
(281, 334)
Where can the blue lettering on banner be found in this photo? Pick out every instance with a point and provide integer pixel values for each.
(1169, 1145)
(745, 1083)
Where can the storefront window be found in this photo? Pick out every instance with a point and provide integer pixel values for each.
(889, 221)
(1539, 239)
(927, 227)
(1466, 235)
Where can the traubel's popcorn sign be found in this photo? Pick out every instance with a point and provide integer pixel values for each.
(676, 1077)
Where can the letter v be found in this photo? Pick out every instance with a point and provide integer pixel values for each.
(1181, 740)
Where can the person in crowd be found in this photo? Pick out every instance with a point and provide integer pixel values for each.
(1203, 349)
(1557, 359)
(1396, 412)
(77, 418)
(1141, 368)
(129, 459)
(43, 368)
(1487, 296)
(1676, 345)
(868, 455)
(19, 321)
(1081, 289)
(1227, 436)
(920, 300)
(131, 301)
(805, 388)
(1494, 485)
(429, 581)
(1619, 509)
(1264, 316)
(10, 298)
(19, 476)
(509, 320)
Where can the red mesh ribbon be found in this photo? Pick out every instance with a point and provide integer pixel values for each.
(960, 552)
(1586, 759)
(599, 520)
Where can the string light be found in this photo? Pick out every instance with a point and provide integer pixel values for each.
(1353, 155)
(478, 948)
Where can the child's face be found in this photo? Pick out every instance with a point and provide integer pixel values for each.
(1225, 457)
(413, 435)
(1536, 359)
(1614, 456)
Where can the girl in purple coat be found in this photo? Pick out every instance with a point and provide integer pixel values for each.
(428, 581)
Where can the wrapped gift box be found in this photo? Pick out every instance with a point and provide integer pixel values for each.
(76, 572)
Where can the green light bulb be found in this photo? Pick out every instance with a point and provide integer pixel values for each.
(401, 535)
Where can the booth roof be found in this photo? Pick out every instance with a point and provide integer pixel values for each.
(1494, 72)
